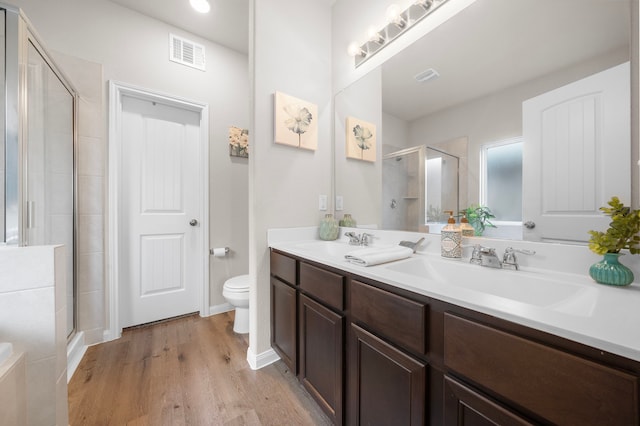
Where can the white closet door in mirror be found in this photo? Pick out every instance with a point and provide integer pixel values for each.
(577, 150)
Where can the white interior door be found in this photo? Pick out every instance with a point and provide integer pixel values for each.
(577, 148)
(160, 249)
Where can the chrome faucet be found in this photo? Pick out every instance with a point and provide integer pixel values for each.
(509, 259)
(486, 256)
(359, 239)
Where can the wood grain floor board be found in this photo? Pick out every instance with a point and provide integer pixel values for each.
(188, 371)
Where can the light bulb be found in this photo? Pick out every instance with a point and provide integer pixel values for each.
(394, 16)
(425, 4)
(201, 6)
(355, 50)
(375, 36)
(393, 12)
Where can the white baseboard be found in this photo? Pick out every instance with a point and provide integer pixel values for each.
(219, 309)
(75, 351)
(257, 361)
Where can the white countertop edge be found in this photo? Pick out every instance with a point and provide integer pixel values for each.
(600, 331)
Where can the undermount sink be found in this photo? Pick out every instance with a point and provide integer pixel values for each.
(336, 249)
(532, 288)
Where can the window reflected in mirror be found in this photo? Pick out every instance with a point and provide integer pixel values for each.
(501, 180)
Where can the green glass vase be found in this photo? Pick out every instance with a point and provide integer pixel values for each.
(328, 228)
(348, 221)
(610, 271)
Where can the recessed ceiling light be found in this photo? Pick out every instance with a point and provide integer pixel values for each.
(201, 6)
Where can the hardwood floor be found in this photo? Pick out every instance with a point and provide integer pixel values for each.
(188, 371)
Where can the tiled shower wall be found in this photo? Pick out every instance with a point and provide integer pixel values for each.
(91, 160)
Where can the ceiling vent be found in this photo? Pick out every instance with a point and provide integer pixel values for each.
(186, 52)
(426, 75)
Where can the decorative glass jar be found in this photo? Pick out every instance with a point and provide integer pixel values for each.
(347, 221)
(329, 228)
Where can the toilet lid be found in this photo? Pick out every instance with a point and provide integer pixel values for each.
(239, 283)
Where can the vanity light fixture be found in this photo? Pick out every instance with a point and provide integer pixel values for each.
(200, 6)
(375, 36)
(357, 51)
(425, 4)
(398, 21)
(395, 16)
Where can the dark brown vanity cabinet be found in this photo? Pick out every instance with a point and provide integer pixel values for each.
(308, 328)
(466, 407)
(388, 386)
(321, 337)
(321, 356)
(284, 309)
(548, 384)
(374, 354)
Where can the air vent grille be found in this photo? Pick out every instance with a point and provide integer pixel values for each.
(186, 52)
(426, 75)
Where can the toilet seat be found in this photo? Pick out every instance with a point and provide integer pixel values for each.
(239, 284)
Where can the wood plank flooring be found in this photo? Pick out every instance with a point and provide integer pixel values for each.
(188, 371)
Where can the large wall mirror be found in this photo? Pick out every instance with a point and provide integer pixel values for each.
(528, 114)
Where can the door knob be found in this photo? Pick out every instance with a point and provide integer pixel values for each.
(193, 222)
(529, 224)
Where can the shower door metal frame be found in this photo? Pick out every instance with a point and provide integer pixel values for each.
(19, 34)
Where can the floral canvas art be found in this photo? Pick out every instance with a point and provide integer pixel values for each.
(360, 140)
(238, 142)
(296, 122)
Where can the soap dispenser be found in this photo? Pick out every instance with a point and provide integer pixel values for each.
(465, 226)
(451, 238)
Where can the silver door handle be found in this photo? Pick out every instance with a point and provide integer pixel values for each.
(193, 222)
(529, 224)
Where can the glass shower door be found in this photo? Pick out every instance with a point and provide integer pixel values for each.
(50, 165)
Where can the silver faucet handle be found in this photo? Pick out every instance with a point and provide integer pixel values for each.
(476, 255)
(354, 239)
(509, 258)
(366, 238)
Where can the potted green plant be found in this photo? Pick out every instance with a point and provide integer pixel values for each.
(622, 234)
(479, 217)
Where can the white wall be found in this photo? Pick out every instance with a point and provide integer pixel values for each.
(291, 52)
(396, 133)
(133, 48)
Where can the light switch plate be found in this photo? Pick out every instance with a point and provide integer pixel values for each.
(339, 203)
(322, 202)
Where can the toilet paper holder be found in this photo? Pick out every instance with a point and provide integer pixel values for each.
(214, 251)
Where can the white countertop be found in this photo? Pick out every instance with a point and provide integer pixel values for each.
(569, 305)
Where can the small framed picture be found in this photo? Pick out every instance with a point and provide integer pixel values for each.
(360, 140)
(296, 122)
(238, 142)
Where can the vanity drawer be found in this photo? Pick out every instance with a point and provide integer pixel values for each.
(283, 267)
(326, 286)
(558, 386)
(396, 318)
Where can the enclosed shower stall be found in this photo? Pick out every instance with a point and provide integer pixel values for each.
(418, 185)
(37, 161)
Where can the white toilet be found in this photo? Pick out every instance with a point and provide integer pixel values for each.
(236, 291)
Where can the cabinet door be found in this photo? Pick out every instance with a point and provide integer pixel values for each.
(388, 387)
(283, 322)
(557, 386)
(466, 407)
(321, 356)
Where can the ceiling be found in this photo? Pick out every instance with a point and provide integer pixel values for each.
(495, 44)
(227, 23)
